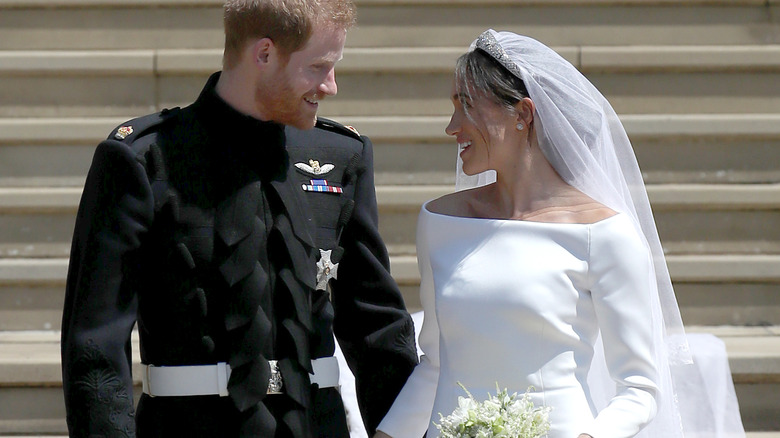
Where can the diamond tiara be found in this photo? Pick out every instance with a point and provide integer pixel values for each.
(487, 42)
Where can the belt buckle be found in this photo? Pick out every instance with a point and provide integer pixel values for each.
(275, 381)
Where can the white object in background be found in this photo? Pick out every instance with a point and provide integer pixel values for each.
(348, 394)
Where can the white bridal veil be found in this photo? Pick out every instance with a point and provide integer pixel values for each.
(584, 140)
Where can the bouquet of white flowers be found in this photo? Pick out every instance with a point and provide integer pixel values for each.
(501, 415)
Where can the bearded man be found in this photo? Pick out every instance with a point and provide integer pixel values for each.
(240, 234)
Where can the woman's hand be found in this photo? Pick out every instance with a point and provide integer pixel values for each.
(380, 434)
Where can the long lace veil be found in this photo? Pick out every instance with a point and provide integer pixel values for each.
(584, 140)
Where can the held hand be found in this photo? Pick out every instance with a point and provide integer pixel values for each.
(380, 434)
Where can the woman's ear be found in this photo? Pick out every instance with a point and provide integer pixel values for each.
(525, 111)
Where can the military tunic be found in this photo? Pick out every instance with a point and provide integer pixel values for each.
(206, 227)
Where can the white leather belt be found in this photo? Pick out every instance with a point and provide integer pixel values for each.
(189, 380)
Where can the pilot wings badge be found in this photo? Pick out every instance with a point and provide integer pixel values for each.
(315, 168)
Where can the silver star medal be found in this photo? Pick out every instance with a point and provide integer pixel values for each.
(326, 270)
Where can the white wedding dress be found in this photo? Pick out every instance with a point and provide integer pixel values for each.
(520, 304)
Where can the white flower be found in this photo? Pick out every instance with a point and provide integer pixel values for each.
(501, 415)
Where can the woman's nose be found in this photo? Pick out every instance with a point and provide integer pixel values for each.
(452, 128)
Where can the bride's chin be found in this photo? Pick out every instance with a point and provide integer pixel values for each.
(469, 172)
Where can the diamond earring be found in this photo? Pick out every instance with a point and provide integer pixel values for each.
(520, 126)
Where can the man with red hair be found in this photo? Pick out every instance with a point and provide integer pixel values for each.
(240, 240)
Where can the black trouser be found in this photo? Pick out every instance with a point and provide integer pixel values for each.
(216, 417)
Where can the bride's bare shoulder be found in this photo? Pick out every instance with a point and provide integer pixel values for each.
(596, 213)
(454, 204)
(588, 211)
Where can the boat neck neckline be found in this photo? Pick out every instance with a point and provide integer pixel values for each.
(520, 221)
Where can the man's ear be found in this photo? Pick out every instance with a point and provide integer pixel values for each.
(263, 51)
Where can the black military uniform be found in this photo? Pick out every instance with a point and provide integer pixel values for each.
(219, 234)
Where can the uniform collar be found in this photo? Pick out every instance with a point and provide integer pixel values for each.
(231, 123)
(245, 148)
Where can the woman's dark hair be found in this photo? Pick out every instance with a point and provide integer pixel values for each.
(478, 73)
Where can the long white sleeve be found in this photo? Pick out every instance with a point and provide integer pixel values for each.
(618, 271)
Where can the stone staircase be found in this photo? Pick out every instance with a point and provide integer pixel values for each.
(696, 82)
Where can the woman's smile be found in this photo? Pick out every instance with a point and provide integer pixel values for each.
(464, 145)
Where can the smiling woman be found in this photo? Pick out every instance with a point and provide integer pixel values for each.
(548, 274)
(487, 132)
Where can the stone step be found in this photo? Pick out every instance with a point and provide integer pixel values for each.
(408, 59)
(32, 216)
(671, 148)
(682, 268)
(31, 399)
(389, 81)
(110, 24)
(751, 353)
(710, 289)
(691, 218)
(31, 394)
